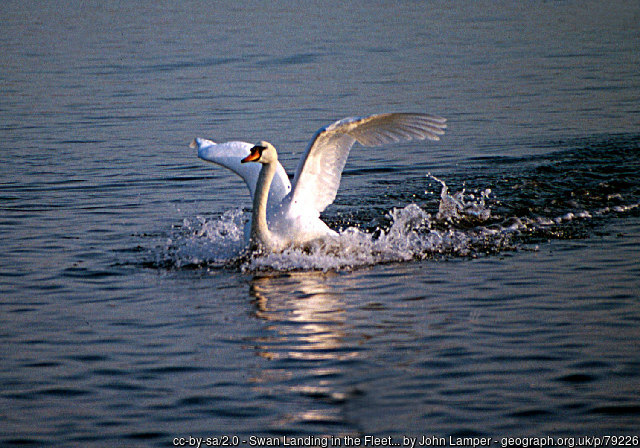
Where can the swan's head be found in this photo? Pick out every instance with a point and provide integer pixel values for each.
(263, 152)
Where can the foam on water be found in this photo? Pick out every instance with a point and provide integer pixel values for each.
(463, 227)
(202, 242)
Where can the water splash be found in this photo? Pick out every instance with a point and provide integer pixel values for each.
(462, 227)
(457, 207)
(201, 242)
(521, 202)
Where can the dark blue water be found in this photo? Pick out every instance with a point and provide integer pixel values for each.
(127, 318)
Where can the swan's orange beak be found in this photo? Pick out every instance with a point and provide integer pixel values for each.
(254, 156)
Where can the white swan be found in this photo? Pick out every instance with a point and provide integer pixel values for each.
(285, 215)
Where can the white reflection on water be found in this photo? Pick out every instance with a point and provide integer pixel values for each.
(306, 320)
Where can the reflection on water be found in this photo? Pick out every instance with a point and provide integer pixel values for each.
(310, 316)
(306, 321)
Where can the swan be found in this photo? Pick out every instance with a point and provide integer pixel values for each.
(286, 214)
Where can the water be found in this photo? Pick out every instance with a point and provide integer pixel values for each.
(129, 316)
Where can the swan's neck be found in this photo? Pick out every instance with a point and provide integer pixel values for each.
(261, 237)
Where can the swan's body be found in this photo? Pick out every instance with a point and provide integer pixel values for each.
(285, 214)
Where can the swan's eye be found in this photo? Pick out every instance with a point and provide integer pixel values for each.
(259, 149)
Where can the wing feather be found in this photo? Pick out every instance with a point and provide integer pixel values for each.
(318, 176)
(230, 154)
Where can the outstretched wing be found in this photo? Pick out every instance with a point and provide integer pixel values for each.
(317, 178)
(230, 154)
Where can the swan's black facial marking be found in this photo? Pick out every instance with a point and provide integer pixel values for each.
(255, 154)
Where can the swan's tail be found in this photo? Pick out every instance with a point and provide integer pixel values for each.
(198, 142)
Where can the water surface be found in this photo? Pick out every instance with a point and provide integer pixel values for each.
(127, 319)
